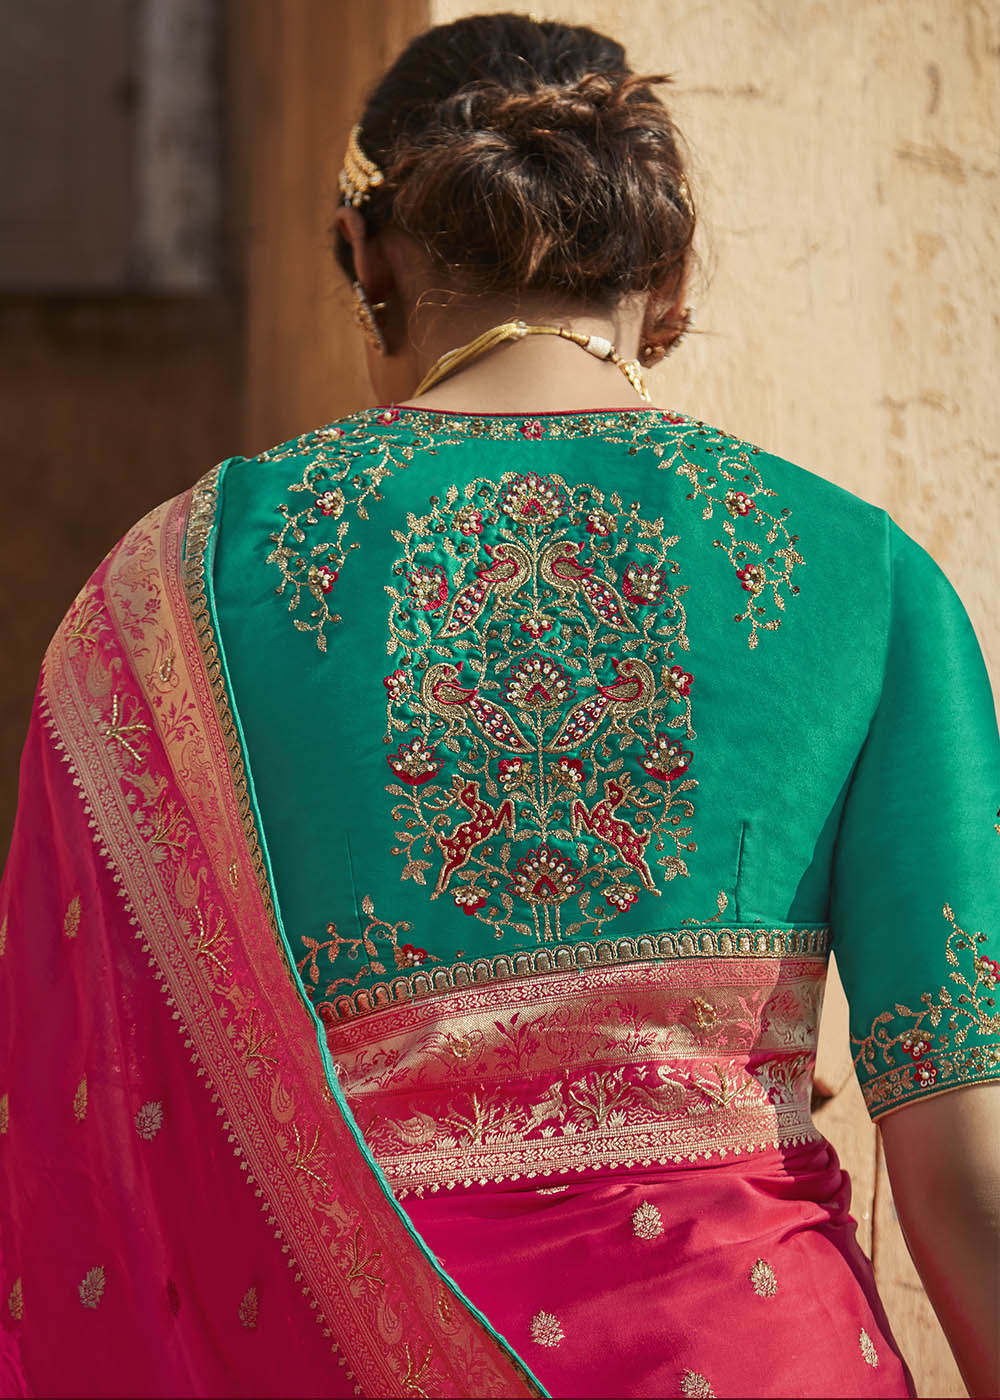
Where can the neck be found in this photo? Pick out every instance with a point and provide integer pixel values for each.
(540, 373)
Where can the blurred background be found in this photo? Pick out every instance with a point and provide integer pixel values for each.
(167, 298)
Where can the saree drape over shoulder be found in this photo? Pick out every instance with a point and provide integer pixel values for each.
(432, 837)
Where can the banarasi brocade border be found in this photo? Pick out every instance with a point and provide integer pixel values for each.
(166, 823)
(578, 956)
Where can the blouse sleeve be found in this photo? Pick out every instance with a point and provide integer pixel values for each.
(915, 901)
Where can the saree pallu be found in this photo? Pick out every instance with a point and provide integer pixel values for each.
(186, 1209)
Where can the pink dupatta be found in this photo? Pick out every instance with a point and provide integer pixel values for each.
(186, 1206)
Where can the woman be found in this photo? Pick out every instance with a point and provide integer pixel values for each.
(433, 833)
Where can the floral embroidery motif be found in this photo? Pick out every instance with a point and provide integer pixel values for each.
(249, 1309)
(344, 467)
(935, 1062)
(868, 1348)
(91, 1287)
(647, 1222)
(4, 1113)
(15, 1300)
(693, 1383)
(571, 789)
(364, 949)
(71, 920)
(722, 473)
(80, 1100)
(149, 1120)
(763, 1279)
(546, 1330)
(345, 464)
(3, 935)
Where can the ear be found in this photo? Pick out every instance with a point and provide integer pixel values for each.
(371, 266)
(665, 321)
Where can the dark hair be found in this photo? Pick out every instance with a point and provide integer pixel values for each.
(525, 154)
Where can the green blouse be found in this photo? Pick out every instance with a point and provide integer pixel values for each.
(525, 694)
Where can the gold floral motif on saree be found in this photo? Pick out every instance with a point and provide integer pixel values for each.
(647, 1222)
(763, 1279)
(902, 1057)
(71, 920)
(80, 1100)
(149, 1120)
(546, 1330)
(599, 1068)
(693, 1383)
(868, 1348)
(345, 464)
(91, 1287)
(15, 1300)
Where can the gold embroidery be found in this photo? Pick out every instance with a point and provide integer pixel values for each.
(647, 1222)
(362, 459)
(361, 1264)
(345, 464)
(117, 729)
(375, 931)
(80, 1100)
(249, 1309)
(914, 1061)
(149, 1119)
(533, 743)
(15, 1300)
(71, 921)
(546, 1330)
(868, 1348)
(693, 1383)
(763, 1279)
(4, 1112)
(3, 935)
(91, 1287)
(410, 1381)
(580, 955)
(607, 1072)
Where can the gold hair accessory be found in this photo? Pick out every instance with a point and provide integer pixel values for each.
(364, 315)
(596, 345)
(359, 175)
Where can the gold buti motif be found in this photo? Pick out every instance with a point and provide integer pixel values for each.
(71, 919)
(15, 1300)
(763, 1279)
(80, 1100)
(3, 935)
(149, 1120)
(693, 1383)
(91, 1287)
(4, 1113)
(540, 717)
(249, 1309)
(647, 1222)
(868, 1348)
(546, 1330)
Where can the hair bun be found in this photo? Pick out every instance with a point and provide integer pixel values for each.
(529, 157)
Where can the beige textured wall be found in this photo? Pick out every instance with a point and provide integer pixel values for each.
(846, 160)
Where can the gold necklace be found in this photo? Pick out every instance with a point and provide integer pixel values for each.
(596, 345)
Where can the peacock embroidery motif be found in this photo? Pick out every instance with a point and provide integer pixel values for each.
(538, 718)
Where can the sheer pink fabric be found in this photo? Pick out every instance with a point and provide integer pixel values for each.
(184, 1209)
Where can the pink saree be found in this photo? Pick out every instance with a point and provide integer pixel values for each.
(185, 1208)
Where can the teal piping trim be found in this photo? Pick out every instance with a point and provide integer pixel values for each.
(208, 568)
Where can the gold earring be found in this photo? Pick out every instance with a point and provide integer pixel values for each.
(364, 315)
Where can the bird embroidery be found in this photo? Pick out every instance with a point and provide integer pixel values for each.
(560, 567)
(632, 690)
(509, 568)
